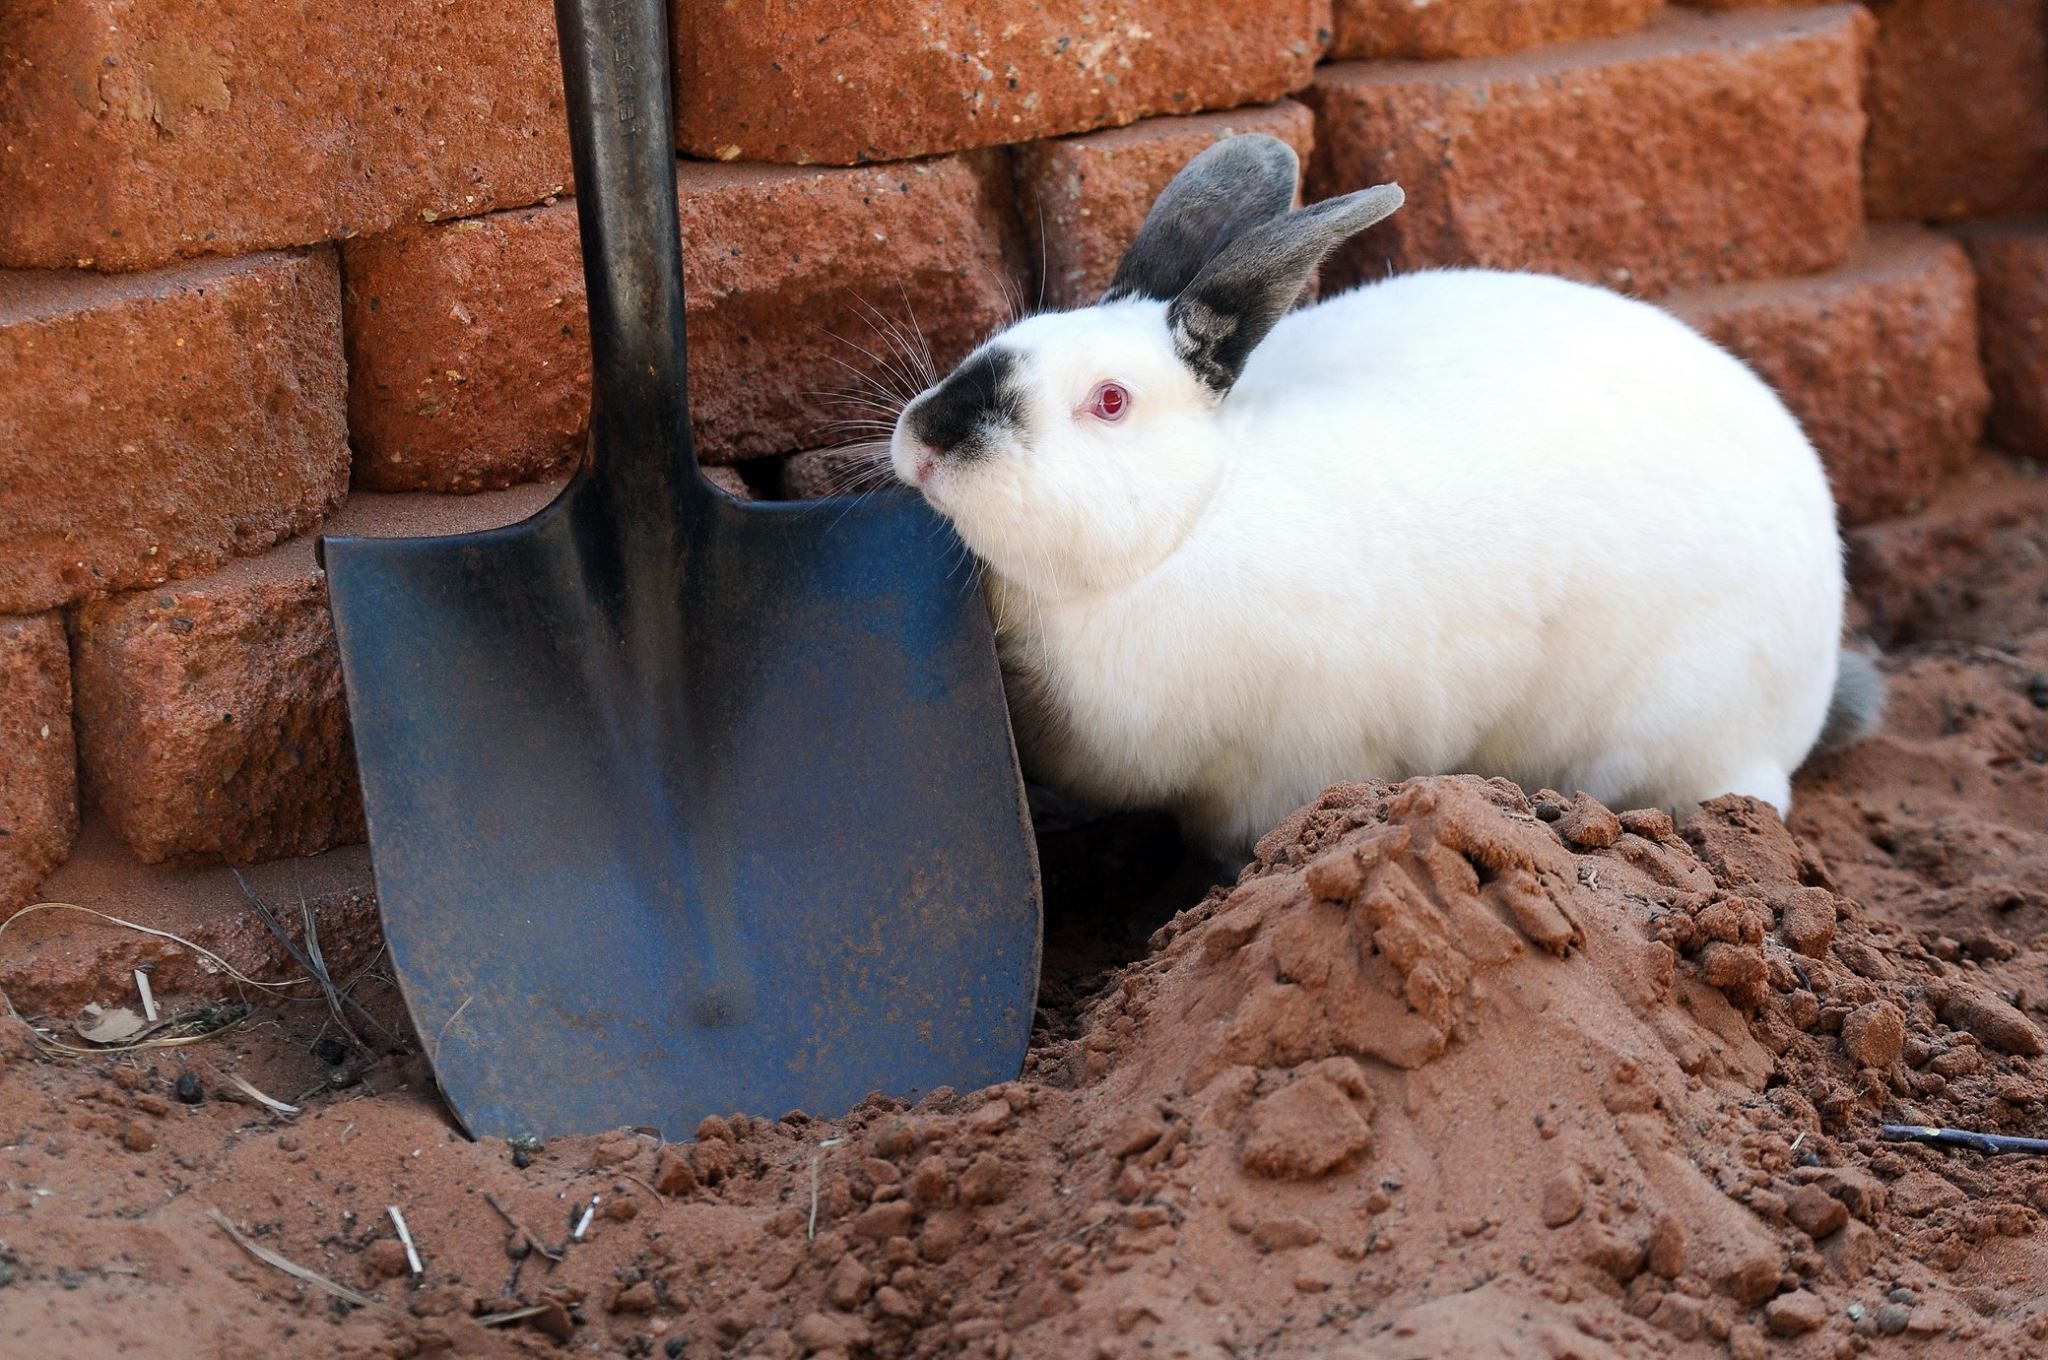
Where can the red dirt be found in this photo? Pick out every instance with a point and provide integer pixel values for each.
(1452, 1072)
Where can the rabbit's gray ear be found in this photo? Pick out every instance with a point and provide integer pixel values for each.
(1235, 185)
(1222, 315)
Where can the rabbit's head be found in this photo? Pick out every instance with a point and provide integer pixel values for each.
(1075, 450)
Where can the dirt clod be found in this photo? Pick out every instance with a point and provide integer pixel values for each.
(1664, 1251)
(1795, 1314)
(1815, 1211)
(1564, 1197)
(1872, 1035)
(1991, 1019)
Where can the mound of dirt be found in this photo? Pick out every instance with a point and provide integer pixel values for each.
(1452, 1071)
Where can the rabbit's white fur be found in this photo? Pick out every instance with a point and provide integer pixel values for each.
(1455, 521)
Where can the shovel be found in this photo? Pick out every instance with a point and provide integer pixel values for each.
(680, 805)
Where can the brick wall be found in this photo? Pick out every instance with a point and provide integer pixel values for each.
(257, 276)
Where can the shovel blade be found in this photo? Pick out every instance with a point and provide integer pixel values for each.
(768, 858)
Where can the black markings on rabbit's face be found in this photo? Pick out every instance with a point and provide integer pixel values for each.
(980, 404)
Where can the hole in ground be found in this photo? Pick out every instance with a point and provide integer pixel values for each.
(1110, 881)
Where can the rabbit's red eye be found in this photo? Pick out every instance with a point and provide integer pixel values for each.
(1109, 401)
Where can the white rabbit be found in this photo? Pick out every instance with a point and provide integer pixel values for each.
(1458, 521)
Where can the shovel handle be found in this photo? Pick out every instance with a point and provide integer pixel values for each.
(615, 73)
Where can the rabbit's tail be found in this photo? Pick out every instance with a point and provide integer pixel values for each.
(1857, 708)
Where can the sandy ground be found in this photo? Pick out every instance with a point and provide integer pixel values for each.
(1453, 1071)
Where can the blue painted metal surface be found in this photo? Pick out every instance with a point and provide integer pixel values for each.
(680, 805)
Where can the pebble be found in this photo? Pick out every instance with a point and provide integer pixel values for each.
(821, 1331)
(1665, 1247)
(984, 1182)
(1815, 1211)
(885, 1220)
(1589, 825)
(931, 1180)
(673, 1174)
(637, 1298)
(1808, 921)
(897, 1137)
(1285, 1234)
(1795, 1314)
(1873, 1035)
(1892, 1318)
(554, 1319)
(1992, 1020)
(1564, 1197)
(848, 1284)
(188, 1089)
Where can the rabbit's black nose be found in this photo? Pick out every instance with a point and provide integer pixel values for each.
(979, 399)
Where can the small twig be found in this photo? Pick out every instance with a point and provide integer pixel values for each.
(412, 1255)
(318, 972)
(516, 1315)
(44, 1040)
(811, 1229)
(1960, 1138)
(522, 1229)
(297, 1271)
(658, 1196)
(268, 1102)
(148, 997)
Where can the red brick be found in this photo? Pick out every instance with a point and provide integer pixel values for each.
(728, 480)
(468, 349)
(1701, 150)
(153, 425)
(210, 715)
(133, 132)
(1376, 29)
(1958, 104)
(1083, 197)
(39, 793)
(1878, 359)
(2012, 305)
(817, 473)
(53, 962)
(883, 82)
